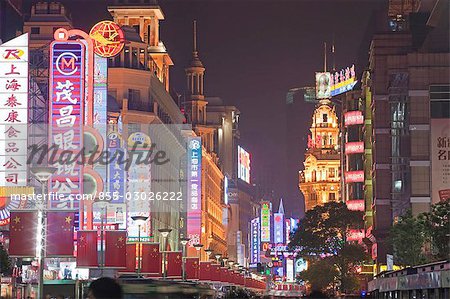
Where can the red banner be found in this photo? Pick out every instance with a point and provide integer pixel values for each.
(174, 264)
(115, 249)
(151, 259)
(192, 268)
(60, 226)
(223, 274)
(205, 271)
(215, 272)
(131, 258)
(22, 234)
(87, 249)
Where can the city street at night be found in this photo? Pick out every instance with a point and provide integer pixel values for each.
(231, 149)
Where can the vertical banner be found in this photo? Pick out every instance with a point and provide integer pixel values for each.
(14, 111)
(192, 268)
(255, 241)
(22, 233)
(116, 171)
(115, 249)
(87, 249)
(60, 233)
(265, 221)
(194, 189)
(174, 264)
(67, 88)
(151, 259)
(440, 159)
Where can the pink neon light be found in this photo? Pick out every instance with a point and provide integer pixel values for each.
(354, 176)
(355, 205)
(354, 147)
(353, 118)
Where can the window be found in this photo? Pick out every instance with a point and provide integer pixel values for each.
(332, 172)
(325, 118)
(420, 143)
(331, 196)
(134, 95)
(35, 30)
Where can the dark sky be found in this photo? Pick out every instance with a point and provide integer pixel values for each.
(254, 52)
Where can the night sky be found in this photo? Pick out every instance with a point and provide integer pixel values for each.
(254, 52)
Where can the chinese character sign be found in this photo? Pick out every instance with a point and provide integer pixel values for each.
(278, 228)
(194, 189)
(67, 79)
(116, 171)
(265, 221)
(254, 241)
(343, 81)
(13, 111)
(440, 159)
(243, 165)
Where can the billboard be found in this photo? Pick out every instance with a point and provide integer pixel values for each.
(254, 241)
(355, 204)
(266, 208)
(67, 89)
(343, 81)
(14, 111)
(440, 159)
(278, 228)
(323, 85)
(194, 189)
(243, 165)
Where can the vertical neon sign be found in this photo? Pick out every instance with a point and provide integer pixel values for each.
(255, 241)
(265, 221)
(13, 111)
(67, 87)
(194, 177)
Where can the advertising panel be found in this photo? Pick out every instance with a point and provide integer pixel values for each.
(323, 85)
(353, 118)
(116, 171)
(243, 165)
(355, 235)
(343, 81)
(278, 228)
(355, 204)
(266, 208)
(67, 88)
(14, 111)
(289, 270)
(440, 159)
(194, 178)
(255, 241)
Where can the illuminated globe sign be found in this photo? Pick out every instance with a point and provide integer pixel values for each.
(108, 38)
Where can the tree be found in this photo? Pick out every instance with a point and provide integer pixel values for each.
(436, 228)
(320, 275)
(321, 237)
(407, 239)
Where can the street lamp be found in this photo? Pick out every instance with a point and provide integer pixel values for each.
(164, 233)
(230, 264)
(140, 220)
(218, 256)
(198, 246)
(43, 175)
(102, 205)
(208, 252)
(184, 242)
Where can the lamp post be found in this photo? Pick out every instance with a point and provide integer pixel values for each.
(140, 220)
(43, 175)
(230, 264)
(184, 242)
(102, 205)
(198, 246)
(225, 260)
(164, 233)
(218, 256)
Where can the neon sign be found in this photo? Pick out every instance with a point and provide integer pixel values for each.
(355, 235)
(255, 241)
(354, 147)
(353, 118)
(355, 205)
(14, 111)
(108, 38)
(194, 178)
(243, 165)
(343, 81)
(278, 223)
(67, 88)
(356, 176)
(265, 221)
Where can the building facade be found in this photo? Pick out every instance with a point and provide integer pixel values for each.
(320, 180)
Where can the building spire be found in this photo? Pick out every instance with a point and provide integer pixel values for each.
(281, 207)
(194, 52)
(325, 56)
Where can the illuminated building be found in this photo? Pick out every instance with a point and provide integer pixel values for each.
(319, 181)
(138, 82)
(213, 234)
(406, 89)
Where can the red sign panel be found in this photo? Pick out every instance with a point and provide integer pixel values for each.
(354, 176)
(354, 147)
(353, 118)
(355, 204)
